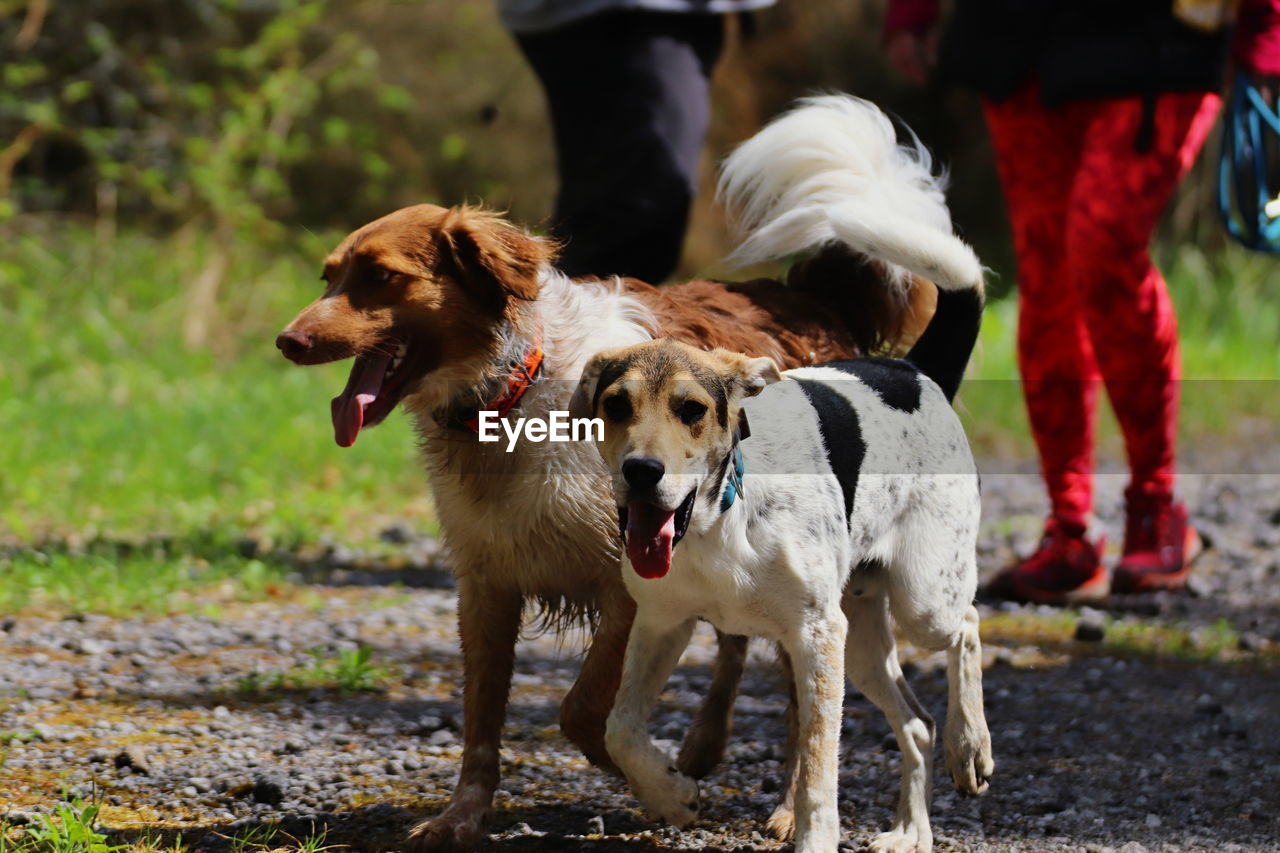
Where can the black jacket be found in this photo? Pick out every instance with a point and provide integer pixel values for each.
(1079, 49)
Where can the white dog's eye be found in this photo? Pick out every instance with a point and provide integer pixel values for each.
(617, 407)
(690, 412)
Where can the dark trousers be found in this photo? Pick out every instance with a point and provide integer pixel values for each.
(629, 98)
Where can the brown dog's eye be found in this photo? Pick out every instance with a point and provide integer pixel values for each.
(690, 412)
(617, 407)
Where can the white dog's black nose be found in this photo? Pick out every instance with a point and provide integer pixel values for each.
(642, 472)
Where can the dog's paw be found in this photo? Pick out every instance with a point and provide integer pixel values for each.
(445, 834)
(969, 759)
(675, 801)
(782, 823)
(902, 841)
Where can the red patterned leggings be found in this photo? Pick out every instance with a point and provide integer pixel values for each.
(1083, 202)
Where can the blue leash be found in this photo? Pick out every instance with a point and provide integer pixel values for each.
(1249, 168)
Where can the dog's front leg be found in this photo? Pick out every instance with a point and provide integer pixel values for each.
(488, 625)
(703, 746)
(652, 652)
(587, 704)
(817, 658)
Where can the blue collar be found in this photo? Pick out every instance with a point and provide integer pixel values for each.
(733, 487)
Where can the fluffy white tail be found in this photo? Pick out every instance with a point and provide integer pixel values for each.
(831, 171)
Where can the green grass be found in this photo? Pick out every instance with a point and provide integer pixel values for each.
(132, 465)
(116, 427)
(72, 828)
(116, 432)
(352, 671)
(1123, 636)
(1229, 321)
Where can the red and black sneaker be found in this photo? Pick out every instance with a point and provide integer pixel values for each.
(1159, 544)
(1065, 569)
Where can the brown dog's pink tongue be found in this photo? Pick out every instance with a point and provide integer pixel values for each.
(650, 534)
(347, 409)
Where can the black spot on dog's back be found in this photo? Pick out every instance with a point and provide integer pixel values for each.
(841, 434)
(896, 382)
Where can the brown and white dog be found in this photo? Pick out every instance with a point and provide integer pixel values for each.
(449, 312)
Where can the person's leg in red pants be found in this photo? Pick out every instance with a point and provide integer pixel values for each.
(1038, 153)
(1083, 201)
(1117, 199)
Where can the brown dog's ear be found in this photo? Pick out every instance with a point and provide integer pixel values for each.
(494, 259)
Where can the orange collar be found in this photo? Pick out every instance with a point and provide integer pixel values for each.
(519, 378)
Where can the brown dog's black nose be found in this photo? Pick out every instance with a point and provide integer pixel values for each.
(642, 472)
(294, 343)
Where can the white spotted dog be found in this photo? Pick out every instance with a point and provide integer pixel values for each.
(850, 486)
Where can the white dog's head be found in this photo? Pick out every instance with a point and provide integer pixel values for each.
(671, 413)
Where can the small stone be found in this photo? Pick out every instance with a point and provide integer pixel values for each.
(221, 712)
(521, 829)
(1206, 704)
(291, 746)
(427, 724)
(201, 784)
(1090, 630)
(595, 826)
(1198, 587)
(1132, 847)
(133, 757)
(1153, 821)
(268, 790)
(1229, 727)
(397, 534)
(442, 737)
(89, 646)
(1250, 642)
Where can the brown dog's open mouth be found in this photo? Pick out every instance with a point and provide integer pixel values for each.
(379, 380)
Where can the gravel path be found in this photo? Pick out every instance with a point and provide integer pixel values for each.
(1095, 750)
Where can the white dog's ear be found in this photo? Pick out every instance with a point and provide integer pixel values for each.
(756, 373)
(582, 404)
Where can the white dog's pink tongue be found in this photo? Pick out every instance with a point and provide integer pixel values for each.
(650, 535)
(347, 409)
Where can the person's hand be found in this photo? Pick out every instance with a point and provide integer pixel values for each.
(913, 54)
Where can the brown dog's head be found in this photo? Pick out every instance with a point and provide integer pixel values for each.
(423, 292)
(670, 413)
